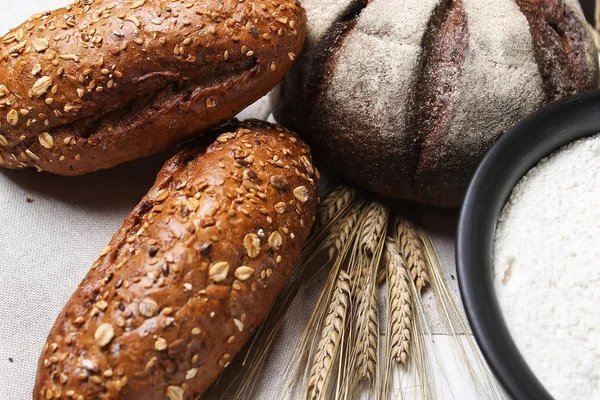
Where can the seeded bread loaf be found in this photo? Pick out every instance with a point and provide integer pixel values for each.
(102, 82)
(190, 275)
(404, 97)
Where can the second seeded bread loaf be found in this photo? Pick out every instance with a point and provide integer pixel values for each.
(190, 275)
(102, 82)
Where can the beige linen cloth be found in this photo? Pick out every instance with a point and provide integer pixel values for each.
(52, 229)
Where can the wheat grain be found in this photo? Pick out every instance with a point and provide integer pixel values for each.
(331, 336)
(333, 203)
(374, 227)
(400, 308)
(412, 250)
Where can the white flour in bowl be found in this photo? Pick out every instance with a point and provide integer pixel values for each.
(547, 269)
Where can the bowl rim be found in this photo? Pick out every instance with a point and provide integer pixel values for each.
(546, 130)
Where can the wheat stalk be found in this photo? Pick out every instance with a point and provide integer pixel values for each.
(423, 374)
(412, 250)
(333, 203)
(331, 336)
(400, 303)
(449, 310)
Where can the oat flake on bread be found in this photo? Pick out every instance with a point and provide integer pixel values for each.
(547, 269)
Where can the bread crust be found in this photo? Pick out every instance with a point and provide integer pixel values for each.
(88, 87)
(191, 273)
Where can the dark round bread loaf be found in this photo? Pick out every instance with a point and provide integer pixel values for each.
(404, 97)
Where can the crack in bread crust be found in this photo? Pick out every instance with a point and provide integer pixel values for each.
(130, 121)
(559, 46)
(321, 67)
(444, 50)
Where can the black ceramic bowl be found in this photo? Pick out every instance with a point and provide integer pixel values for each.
(515, 153)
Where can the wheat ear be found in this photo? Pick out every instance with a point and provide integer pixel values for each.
(412, 250)
(297, 372)
(366, 322)
(370, 237)
(374, 227)
(400, 310)
(333, 203)
(367, 348)
(331, 337)
(343, 232)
